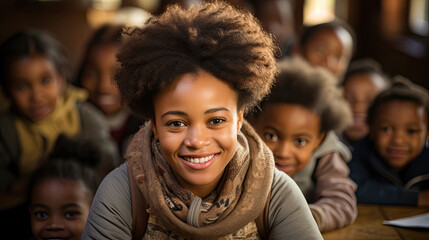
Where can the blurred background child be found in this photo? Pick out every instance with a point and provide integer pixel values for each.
(329, 45)
(391, 164)
(296, 122)
(33, 75)
(95, 75)
(59, 197)
(362, 82)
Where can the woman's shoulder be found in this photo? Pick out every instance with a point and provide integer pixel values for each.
(284, 186)
(117, 178)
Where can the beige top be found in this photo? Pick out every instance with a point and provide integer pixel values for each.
(110, 216)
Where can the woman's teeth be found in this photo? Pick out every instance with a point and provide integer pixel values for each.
(198, 160)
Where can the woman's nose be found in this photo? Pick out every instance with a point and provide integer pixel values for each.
(197, 137)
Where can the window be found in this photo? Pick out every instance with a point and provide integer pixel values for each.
(418, 17)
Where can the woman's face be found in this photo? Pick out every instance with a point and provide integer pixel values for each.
(196, 122)
(59, 209)
(97, 78)
(34, 86)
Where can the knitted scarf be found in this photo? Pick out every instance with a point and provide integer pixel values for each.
(239, 198)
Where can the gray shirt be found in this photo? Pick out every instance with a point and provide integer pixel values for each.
(110, 217)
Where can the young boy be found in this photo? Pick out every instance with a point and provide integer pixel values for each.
(390, 165)
(329, 45)
(363, 81)
(296, 123)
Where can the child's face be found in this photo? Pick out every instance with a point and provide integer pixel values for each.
(399, 131)
(97, 78)
(331, 49)
(196, 122)
(59, 209)
(34, 87)
(360, 90)
(291, 132)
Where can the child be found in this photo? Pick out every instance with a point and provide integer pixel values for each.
(200, 168)
(60, 195)
(277, 17)
(390, 165)
(95, 75)
(363, 81)
(329, 45)
(296, 122)
(33, 75)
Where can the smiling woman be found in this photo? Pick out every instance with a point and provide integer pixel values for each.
(202, 169)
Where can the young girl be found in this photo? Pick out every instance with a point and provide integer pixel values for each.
(60, 195)
(390, 165)
(363, 81)
(96, 74)
(201, 169)
(329, 45)
(33, 74)
(296, 123)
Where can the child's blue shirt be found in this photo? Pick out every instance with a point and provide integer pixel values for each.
(379, 184)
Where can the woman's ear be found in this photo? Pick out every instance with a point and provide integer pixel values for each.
(155, 132)
(240, 119)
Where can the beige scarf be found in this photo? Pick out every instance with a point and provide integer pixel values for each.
(239, 198)
(38, 139)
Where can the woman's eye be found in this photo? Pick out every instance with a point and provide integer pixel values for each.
(271, 137)
(301, 142)
(216, 121)
(175, 124)
(41, 215)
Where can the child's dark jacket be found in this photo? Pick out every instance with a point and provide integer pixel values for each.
(378, 184)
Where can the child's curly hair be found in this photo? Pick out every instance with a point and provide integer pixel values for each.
(402, 89)
(107, 34)
(310, 31)
(366, 66)
(215, 37)
(313, 88)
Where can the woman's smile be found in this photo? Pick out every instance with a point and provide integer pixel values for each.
(199, 163)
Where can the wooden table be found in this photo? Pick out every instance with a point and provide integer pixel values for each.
(369, 224)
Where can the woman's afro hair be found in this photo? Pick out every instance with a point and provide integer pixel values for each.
(214, 37)
(402, 89)
(313, 88)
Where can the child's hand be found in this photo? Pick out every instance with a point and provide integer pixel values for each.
(423, 198)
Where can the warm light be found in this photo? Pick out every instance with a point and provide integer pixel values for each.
(132, 16)
(106, 5)
(318, 11)
(419, 17)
